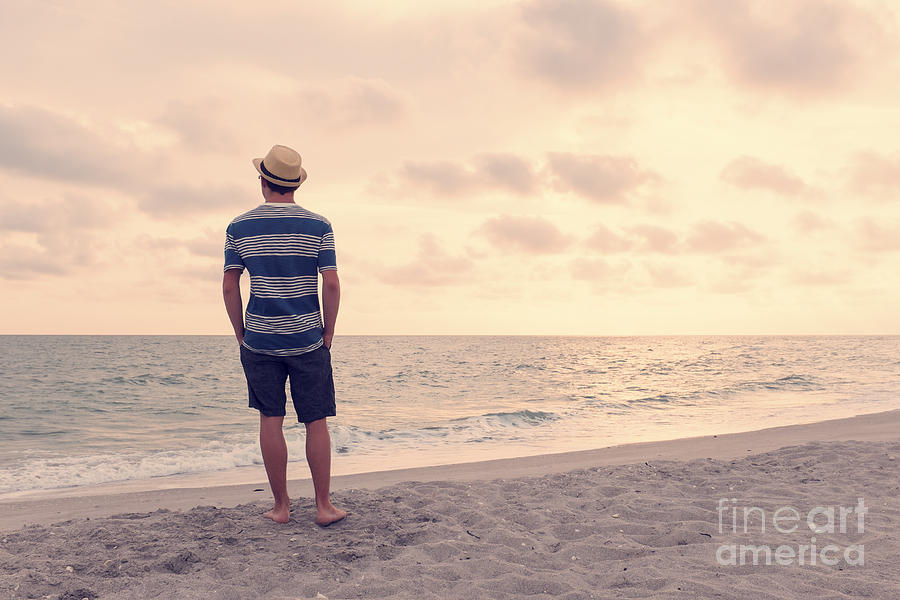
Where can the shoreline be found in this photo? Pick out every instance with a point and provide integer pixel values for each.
(345, 465)
(49, 506)
(657, 520)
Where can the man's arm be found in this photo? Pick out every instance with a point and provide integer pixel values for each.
(331, 300)
(231, 292)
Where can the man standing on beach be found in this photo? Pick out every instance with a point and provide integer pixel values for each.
(285, 247)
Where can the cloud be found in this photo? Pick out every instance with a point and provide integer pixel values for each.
(596, 270)
(20, 216)
(730, 285)
(197, 275)
(202, 125)
(875, 175)
(25, 263)
(667, 275)
(166, 202)
(704, 237)
(532, 235)
(607, 241)
(752, 259)
(60, 215)
(751, 173)
(48, 145)
(810, 222)
(50, 253)
(352, 102)
(441, 177)
(507, 171)
(816, 276)
(60, 234)
(656, 239)
(432, 267)
(603, 179)
(497, 171)
(876, 236)
(209, 246)
(580, 44)
(714, 237)
(805, 45)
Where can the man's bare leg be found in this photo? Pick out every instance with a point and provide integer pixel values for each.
(318, 455)
(274, 451)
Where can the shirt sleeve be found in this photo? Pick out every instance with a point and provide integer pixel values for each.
(327, 260)
(233, 259)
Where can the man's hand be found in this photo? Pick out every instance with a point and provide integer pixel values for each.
(327, 339)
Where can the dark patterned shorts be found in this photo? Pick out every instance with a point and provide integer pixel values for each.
(312, 384)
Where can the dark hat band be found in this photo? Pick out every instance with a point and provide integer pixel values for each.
(262, 167)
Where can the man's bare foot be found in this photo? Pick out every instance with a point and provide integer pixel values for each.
(327, 515)
(279, 514)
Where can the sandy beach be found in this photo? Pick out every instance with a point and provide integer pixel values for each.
(649, 520)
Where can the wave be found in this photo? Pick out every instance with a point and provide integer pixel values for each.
(795, 381)
(484, 425)
(72, 471)
(146, 379)
(518, 418)
(791, 382)
(660, 398)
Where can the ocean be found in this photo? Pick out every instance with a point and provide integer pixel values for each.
(80, 411)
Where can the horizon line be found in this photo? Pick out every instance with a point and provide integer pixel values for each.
(572, 335)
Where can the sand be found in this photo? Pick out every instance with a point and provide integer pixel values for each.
(633, 521)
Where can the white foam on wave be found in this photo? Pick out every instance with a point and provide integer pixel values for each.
(65, 471)
(42, 472)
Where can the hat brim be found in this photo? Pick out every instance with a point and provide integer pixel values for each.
(275, 180)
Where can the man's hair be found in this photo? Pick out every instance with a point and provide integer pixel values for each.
(278, 189)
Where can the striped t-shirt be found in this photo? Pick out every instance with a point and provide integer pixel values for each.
(284, 247)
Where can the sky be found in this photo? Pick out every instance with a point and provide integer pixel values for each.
(547, 167)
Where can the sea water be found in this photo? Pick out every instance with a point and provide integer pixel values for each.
(85, 410)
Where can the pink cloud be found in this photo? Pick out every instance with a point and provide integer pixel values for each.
(712, 236)
(598, 270)
(823, 277)
(586, 44)
(810, 222)
(45, 144)
(876, 236)
(432, 267)
(751, 173)
(605, 240)
(353, 102)
(876, 175)
(441, 177)
(656, 239)
(667, 275)
(487, 171)
(803, 46)
(533, 235)
(604, 179)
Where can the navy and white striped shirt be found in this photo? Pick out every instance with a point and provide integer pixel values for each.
(284, 247)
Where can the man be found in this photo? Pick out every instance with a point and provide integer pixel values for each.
(285, 247)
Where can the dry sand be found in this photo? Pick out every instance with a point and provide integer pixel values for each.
(633, 521)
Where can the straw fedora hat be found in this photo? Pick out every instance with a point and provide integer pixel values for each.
(281, 166)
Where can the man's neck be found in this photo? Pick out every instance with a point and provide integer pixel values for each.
(279, 198)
